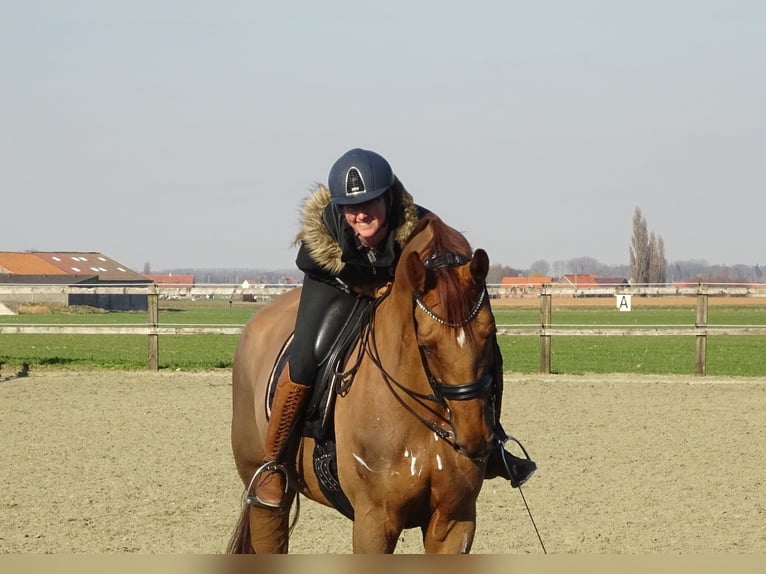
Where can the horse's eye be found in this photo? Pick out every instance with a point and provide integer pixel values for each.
(428, 351)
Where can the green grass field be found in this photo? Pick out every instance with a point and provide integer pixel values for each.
(726, 354)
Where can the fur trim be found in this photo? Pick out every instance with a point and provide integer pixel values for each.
(323, 247)
(314, 235)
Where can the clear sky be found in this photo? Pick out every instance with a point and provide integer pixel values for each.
(186, 133)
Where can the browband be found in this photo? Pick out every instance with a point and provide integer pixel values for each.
(445, 260)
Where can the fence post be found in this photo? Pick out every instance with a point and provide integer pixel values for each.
(700, 359)
(545, 338)
(153, 310)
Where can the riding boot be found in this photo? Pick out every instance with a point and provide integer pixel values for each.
(503, 464)
(288, 405)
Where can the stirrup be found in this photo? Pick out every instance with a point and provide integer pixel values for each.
(508, 437)
(271, 466)
(503, 453)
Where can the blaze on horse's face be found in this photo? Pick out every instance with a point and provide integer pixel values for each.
(455, 330)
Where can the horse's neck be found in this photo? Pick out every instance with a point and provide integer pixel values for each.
(395, 345)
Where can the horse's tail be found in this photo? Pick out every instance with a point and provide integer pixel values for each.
(240, 542)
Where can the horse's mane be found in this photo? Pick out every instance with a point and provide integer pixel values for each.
(455, 299)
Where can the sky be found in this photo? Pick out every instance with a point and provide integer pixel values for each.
(183, 133)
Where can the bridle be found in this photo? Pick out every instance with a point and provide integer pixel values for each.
(435, 402)
(465, 391)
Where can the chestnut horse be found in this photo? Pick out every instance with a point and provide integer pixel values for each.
(415, 426)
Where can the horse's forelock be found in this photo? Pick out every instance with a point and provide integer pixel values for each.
(434, 237)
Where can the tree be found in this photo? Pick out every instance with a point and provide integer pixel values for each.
(497, 272)
(658, 265)
(647, 253)
(539, 268)
(639, 250)
(147, 269)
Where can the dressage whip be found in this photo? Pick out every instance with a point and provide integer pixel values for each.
(531, 518)
(521, 492)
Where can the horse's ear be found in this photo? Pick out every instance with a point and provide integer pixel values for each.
(416, 272)
(420, 278)
(480, 265)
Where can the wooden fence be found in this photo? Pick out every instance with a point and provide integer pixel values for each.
(700, 330)
(546, 330)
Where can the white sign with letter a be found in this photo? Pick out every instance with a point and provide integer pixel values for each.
(623, 302)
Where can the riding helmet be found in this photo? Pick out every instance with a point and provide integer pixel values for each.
(359, 175)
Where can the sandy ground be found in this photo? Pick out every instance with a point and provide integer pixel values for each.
(113, 462)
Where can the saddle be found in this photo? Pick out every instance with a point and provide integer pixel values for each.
(339, 333)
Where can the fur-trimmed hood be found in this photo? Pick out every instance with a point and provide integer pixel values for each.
(323, 244)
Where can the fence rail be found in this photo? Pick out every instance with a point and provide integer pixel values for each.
(544, 330)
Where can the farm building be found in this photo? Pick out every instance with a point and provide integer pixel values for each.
(170, 280)
(522, 286)
(178, 286)
(589, 281)
(70, 268)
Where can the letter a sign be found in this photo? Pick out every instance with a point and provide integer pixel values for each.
(623, 302)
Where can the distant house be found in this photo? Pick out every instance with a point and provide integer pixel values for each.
(581, 281)
(252, 283)
(521, 286)
(611, 281)
(589, 281)
(171, 280)
(530, 281)
(71, 268)
(181, 283)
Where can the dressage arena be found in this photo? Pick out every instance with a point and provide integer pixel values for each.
(114, 462)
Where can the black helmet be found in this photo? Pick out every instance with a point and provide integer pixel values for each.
(359, 175)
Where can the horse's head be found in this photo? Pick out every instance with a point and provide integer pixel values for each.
(454, 328)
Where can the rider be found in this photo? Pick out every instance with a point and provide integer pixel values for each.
(350, 240)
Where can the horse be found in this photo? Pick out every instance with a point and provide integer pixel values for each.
(414, 428)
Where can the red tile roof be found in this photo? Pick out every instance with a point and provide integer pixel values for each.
(525, 281)
(26, 264)
(580, 280)
(66, 263)
(171, 280)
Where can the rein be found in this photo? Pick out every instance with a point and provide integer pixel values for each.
(371, 348)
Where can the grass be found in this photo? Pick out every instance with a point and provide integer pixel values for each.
(726, 354)
(185, 352)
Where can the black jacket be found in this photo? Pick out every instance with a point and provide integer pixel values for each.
(330, 251)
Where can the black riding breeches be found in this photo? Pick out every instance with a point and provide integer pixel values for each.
(316, 299)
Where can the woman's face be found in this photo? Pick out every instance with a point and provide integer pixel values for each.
(368, 220)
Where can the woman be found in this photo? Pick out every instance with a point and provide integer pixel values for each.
(350, 240)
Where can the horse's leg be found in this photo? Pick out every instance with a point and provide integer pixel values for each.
(270, 529)
(375, 532)
(449, 535)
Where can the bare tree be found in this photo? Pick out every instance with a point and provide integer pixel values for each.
(539, 267)
(497, 272)
(639, 250)
(658, 265)
(647, 253)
